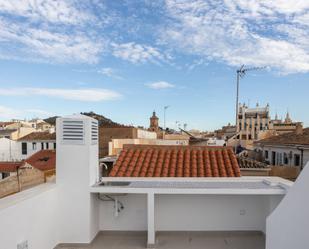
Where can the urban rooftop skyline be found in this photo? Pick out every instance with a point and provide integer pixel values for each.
(125, 59)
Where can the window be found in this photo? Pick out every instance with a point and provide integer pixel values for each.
(285, 158)
(33, 146)
(266, 154)
(42, 146)
(280, 159)
(273, 158)
(296, 159)
(47, 146)
(24, 149)
(54, 146)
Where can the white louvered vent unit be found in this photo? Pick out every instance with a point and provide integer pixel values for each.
(94, 132)
(73, 132)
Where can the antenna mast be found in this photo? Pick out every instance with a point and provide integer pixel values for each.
(241, 72)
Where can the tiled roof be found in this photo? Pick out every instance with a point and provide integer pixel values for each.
(9, 166)
(39, 136)
(7, 132)
(290, 138)
(175, 161)
(43, 160)
(4, 124)
(248, 163)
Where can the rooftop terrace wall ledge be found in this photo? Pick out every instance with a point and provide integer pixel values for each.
(184, 191)
(16, 198)
(270, 179)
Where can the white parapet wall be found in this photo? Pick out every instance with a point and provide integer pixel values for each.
(30, 217)
(288, 226)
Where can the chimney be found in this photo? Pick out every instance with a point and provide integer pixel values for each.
(77, 168)
(299, 129)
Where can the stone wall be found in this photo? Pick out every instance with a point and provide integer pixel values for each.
(287, 172)
(27, 178)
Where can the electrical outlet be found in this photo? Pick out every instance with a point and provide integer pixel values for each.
(242, 211)
(23, 245)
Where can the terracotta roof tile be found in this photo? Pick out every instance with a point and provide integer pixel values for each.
(175, 161)
(290, 138)
(39, 136)
(43, 160)
(9, 166)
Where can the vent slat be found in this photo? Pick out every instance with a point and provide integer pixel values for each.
(73, 131)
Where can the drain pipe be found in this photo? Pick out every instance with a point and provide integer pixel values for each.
(118, 205)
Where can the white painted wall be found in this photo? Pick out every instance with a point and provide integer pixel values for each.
(146, 134)
(76, 166)
(33, 149)
(190, 213)
(31, 216)
(287, 227)
(281, 150)
(10, 150)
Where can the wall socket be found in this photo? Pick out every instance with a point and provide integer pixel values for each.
(23, 245)
(242, 212)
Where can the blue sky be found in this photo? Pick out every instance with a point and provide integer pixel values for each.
(124, 59)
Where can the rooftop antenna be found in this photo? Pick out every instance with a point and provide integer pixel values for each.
(164, 129)
(241, 72)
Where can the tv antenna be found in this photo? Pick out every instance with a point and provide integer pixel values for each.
(241, 72)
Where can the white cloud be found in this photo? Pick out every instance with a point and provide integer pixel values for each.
(88, 95)
(160, 85)
(137, 53)
(240, 32)
(53, 11)
(48, 31)
(52, 46)
(109, 72)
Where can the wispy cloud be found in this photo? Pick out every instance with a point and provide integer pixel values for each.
(87, 95)
(240, 32)
(56, 11)
(51, 46)
(137, 53)
(48, 31)
(109, 72)
(160, 85)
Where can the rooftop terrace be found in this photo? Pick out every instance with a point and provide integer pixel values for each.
(176, 240)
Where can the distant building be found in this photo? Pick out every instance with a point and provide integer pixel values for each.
(154, 122)
(10, 150)
(288, 149)
(116, 145)
(225, 132)
(35, 142)
(255, 124)
(283, 126)
(252, 121)
(107, 134)
(36, 169)
(8, 168)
